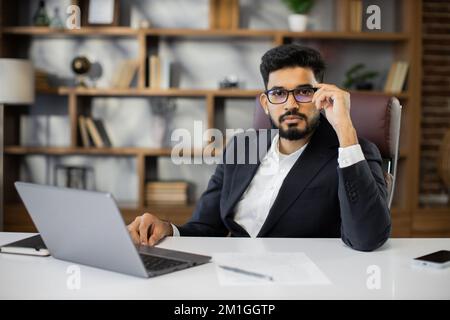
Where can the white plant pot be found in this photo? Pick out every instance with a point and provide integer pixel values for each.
(298, 22)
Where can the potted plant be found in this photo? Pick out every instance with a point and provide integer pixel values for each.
(299, 20)
(359, 78)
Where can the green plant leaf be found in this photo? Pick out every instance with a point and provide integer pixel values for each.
(299, 6)
(354, 69)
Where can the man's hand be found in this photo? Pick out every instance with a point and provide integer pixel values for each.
(149, 230)
(336, 104)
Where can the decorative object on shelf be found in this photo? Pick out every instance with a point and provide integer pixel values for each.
(299, 20)
(229, 82)
(81, 66)
(443, 165)
(359, 78)
(40, 18)
(144, 24)
(95, 73)
(77, 177)
(397, 77)
(16, 88)
(100, 12)
(56, 21)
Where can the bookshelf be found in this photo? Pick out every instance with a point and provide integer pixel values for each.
(223, 25)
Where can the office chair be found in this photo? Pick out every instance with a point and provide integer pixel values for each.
(377, 119)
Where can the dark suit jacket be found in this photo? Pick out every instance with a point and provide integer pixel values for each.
(316, 199)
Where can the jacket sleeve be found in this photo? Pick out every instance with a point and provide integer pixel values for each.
(365, 216)
(206, 220)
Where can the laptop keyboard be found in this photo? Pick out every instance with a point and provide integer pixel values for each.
(153, 263)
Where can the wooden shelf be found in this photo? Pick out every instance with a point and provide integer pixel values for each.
(119, 151)
(337, 35)
(176, 92)
(253, 33)
(83, 31)
(18, 219)
(132, 92)
(20, 150)
(211, 33)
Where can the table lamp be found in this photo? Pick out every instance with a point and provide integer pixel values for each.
(16, 88)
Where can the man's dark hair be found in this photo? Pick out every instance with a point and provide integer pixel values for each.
(291, 55)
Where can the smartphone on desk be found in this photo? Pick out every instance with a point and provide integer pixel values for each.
(34, 246)
(439, 260)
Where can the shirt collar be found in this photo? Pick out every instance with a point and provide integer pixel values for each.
(274, 149)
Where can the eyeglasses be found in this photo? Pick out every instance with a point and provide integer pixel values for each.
(279, 96)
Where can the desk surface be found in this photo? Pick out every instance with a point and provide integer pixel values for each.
(24, 277)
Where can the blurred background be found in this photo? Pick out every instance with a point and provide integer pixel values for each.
(111, 80)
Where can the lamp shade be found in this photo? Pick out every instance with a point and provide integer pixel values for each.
(16, 81)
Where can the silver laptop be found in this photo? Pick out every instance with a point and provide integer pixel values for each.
(86, 227)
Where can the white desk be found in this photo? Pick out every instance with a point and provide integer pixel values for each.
(23, 277)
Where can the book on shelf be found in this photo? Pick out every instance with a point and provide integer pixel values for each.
(167, 192)
(167, 185)
(159, 72)
(396, 77)
(97, 133)
(100, 126)
(153, 71)
(125, 74)
(356, 15)
(167, 197)
(85, 139)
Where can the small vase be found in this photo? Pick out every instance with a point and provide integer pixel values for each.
(40, 17)
(298, 22)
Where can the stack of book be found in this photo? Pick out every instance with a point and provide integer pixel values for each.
(159, 72)
(167, 193)
(356, 15)
(93, 133)
(396, 77)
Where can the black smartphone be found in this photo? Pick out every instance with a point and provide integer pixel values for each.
(439, 259)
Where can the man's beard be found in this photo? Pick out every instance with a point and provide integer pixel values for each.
(292, 132)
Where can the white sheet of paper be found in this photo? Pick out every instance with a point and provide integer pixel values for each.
(285, 268)
(101, 11)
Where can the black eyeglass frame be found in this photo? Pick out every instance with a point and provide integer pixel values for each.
(266, 92)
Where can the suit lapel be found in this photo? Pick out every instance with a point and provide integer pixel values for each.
(321, 148)
(243, 175)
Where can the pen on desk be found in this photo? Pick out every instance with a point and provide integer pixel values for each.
(249, 273)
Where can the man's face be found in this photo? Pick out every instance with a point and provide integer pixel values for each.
(295, 120)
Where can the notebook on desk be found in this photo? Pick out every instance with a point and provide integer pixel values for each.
(34, 246)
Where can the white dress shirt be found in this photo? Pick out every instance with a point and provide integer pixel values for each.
(253, 208)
